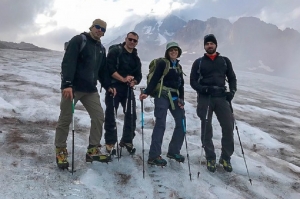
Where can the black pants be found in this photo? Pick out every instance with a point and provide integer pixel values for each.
(221, 108)
(125, 96)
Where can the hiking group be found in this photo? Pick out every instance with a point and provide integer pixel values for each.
(85, 62)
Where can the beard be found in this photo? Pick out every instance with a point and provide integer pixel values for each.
(211, 50)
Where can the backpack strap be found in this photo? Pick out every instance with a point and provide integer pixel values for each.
(164, 74)
(199, 70)
(226, 79)
(83, 42)
(168, 89)
(119, 55)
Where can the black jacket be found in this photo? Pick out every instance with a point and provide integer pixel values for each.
(129, 63)
(81, 70)
(213, 72)
(173, 79)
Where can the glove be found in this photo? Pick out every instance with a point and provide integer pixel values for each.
(181, 101)
(229, 96)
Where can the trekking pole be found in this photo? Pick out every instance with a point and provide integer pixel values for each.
(237, 130)
(184, 130)
(116, 130)
(131, 112)
(73, 110)
(142, 116)
(204, 133)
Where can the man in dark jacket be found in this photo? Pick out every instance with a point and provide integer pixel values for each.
(84, 63)
(208, 75)
(124, 67)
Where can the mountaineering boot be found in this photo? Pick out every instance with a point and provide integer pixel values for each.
(211, 165)
(94, 154)
(226, 164)
(110, 149)
(61, 157)
(129, 147)
(159, 161)
(177, 157)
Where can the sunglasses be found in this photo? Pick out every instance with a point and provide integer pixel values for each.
(134, 40)
(100, 28)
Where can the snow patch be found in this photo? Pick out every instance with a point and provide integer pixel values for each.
(162, 40)
(147, 30)
(263, 66)
(168, 34)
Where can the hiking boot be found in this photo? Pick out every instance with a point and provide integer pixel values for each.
(129, 147)
(211, 165)
(226, 164)
(61, 157)
(94, 154)
(110, 148)
(159, 161)
(177, 157)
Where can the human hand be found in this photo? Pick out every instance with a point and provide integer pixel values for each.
(113, 91)
(128, 79)
(143, 96)
(132, 83)
(68, 93)
(181, 103)
(229, 96)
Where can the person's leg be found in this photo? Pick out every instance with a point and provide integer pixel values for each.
(225, 117)
(178, 133)
(64, 121)
(91, 102)
(62, 131)
(161, 106)
(129, 119)
(206, 128)
(110, 123)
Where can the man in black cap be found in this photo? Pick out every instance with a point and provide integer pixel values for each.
(208, 75)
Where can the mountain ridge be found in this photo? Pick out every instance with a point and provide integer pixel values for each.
(21, 46)
(250, 43)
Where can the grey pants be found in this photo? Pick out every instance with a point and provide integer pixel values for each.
(221, 108)
(91, 102)
(160, 112)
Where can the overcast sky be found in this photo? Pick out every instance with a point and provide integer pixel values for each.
(49, 23)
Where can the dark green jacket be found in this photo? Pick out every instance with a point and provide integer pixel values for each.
(81, 70)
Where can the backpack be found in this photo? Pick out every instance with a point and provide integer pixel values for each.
(82, 43)
(120, 49)
(159, 87)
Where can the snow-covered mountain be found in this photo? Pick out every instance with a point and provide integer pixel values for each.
(250, 43)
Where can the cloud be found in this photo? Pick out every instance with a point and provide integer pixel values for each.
(284, 18)
(18, 18)
(52, 40)
(46, 22)
(276, 12)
